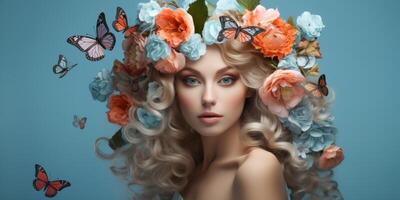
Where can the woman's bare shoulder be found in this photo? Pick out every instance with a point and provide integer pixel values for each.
(260, 176)
(260, 161)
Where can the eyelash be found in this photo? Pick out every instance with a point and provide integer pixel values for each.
(232, 78)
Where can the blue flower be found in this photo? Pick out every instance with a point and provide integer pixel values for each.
(156, 48)
(310, 25)
(101, 87)
(306, 61)
(148, 11)
(210, 31)
(301, 115)
(194, 47)
(224, 5)
(147, 119)
(317, 137)
(184, 3)
(289, 62)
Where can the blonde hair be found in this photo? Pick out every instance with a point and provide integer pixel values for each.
(162, 160)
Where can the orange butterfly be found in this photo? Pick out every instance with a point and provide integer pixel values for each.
(230, 29)
(121, 23)
(318, 89)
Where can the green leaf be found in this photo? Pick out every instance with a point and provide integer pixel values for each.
(249, 4)
(210, 7)
(199, 12)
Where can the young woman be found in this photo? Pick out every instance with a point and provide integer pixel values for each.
(219, 121)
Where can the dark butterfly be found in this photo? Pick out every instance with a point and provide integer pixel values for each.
(62, 68)
(95, 47)
(121, 23)
(79, 122)
(230, 29)
(318, 89)
(42, 182)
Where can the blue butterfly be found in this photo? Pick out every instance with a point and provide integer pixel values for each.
(79, 122)
(62, 68)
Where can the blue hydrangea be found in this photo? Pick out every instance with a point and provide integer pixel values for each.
(148, 120)
(156, 48)
(148, 11)
(210, 31)
(317, 137)
(289, 62)
(224, 5)
(194, 47)
(184, 3)
(301, 116)
(306, 61)
(310, 25)
(101, 87)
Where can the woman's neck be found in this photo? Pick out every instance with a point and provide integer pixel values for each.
(222, 147)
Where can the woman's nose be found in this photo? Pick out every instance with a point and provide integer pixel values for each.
(208, 98)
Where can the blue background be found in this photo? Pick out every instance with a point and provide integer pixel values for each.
(359, 47)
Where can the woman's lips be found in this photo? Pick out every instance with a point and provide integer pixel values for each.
(210, 120)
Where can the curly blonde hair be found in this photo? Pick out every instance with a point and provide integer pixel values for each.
(161, 160)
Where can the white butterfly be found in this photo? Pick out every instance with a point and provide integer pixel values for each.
(62, 67)
(94, 47)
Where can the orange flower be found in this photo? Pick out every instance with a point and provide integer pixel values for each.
(174, 63)
(174, 26)
(282, 91)
(119, 106)
(277, 40)
(331, 157)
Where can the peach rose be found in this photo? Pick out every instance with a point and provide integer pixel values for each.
(260, 16)
(119, 106)
(174, 63)
(277, 40)
(174, 26)
(282, 91)
(331, 157)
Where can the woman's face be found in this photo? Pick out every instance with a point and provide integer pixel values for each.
(209, 85)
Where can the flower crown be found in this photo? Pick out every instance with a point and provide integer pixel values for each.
(169, 31)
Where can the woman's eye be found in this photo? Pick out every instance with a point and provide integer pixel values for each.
(190, 81)
(228, 80)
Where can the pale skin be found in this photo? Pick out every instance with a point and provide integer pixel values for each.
(230, 170)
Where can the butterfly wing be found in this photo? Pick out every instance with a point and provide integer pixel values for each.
(55, 186)
(229, 28)
(322, 87)
(121, 20)
(248, 33)
(83, 43)
(75, 122)
(41, 178)
(106, 38)
(82, 122)
(130, 31)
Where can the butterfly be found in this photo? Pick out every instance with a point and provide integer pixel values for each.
(121, 23)
(41, 181)
(230, 29)
(79, 122)
(318, 89)
(62, 67)
(95, 47)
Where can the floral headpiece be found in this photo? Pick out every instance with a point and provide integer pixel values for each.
(169, 31)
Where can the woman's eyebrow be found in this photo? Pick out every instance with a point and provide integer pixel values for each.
(220, 71)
